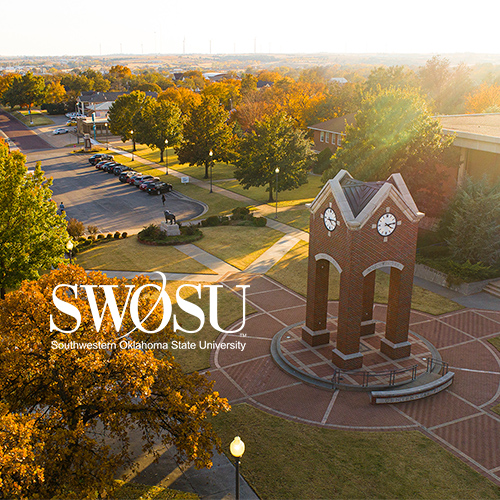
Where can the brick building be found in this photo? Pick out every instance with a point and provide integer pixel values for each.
(329, 134)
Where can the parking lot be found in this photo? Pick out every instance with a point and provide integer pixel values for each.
(100, 199)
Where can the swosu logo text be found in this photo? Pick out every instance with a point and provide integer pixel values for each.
(117, 316)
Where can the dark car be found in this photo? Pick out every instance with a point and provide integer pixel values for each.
(144, 185)
(109, 167)
(102, 164)
(125, 175)
(159, 188)
(119, 169)
(99, 157)
(133, 178)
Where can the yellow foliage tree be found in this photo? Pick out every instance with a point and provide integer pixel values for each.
(90, 392)
(485, 99)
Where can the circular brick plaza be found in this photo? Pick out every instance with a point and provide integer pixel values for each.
(459, 418)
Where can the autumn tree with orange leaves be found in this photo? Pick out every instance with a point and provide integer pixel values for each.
(68, 411)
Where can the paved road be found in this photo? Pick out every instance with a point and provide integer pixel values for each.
(100, 199)
(25, 138)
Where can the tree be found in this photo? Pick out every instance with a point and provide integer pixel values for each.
(274, 143)
(485, 99)
(206, 130)
(445, 87)
(186, 99)
(394, 132)
(32, 235)
(122, 113)
(25, 91)
(159, 121)
(79, 399)
(393, 76)
(55, 93)
(471, 224)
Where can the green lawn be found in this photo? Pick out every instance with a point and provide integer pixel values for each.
(289, 460)
(291, 271)
(130, 255)
(238, 245)
(39, 118)
(295, 216)
(303, 194)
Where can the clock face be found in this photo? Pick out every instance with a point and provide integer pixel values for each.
(386, 224)
(330, 219)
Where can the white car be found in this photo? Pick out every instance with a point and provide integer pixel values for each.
(58, 131)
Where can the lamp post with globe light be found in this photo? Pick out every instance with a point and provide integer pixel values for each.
(277, 172)
(237, 448)
(211, 154)
(133, 146)
(166, 156)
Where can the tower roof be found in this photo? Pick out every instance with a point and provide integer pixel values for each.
(358, 200)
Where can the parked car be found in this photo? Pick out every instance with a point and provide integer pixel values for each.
(99, 157)
(70, 123)
(102, 164)
(159, 188)
(110, 166)
(125, 175)
(119, 169)
(144, 186)
(59, 131)
(144, 178)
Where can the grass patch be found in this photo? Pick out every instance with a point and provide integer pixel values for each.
(238, 245)
(136, 491)
(291, 271)
(303, 194)
(295, 216)
(39, 118)
(285, 459)
(129, 255)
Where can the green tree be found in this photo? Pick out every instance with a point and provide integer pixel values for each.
(445, 87)
(122, 114)
(71, 410)
(393, 76)
(206, 130)
(394, 132)
(471, 224)
(157, 122)
(274, 143)
(25, 91)
(32, 235)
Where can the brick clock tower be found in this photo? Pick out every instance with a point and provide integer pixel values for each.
(359, 227)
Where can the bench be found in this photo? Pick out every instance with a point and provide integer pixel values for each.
(412, 393)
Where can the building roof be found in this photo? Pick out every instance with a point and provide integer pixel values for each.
(93, 97)
(482, 124)
(335, 124)
(357, 200)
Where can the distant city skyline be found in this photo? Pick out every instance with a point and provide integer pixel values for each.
(54, 28)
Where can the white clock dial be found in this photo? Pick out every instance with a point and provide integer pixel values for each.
(330, 219)
(386, 224)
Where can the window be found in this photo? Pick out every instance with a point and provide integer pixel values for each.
(327, 137)
(339, 139)
(321, 137)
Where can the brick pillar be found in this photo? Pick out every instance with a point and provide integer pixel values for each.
(315, 331)
(346, 354)
(395, 344)
(367, 321)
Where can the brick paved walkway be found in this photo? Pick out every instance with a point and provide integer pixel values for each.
(459, 418)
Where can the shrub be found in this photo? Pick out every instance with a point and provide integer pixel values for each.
(100, 236)
(124, 234)
(75, 228)
(239, 213)
(92, 229)
(116, 235)
(467, 272)
(434, 251)
(213, 220)
(322, 161)
(109, 236)
(260, 221)
(188, 230)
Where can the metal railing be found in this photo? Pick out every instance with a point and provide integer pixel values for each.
(365, 377)
(431, 363)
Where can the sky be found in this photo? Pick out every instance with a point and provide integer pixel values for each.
(102, 27)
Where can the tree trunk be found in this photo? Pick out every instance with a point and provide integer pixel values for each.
(133, 144)
(161, 155)
(271, 199)
(207, 164)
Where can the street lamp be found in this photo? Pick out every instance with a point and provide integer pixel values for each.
(107, 145)
(277, 172)
(211, 153)
(166, 156)
(69, 247)
(133, 144)
(237, 448)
